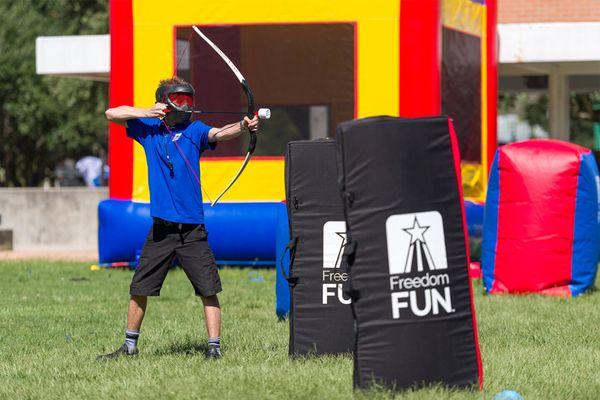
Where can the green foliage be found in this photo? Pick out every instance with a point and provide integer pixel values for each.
(530, 107)
(56, 317)
(533, 108)
(43, 119)
(583, 117)
(536, 113)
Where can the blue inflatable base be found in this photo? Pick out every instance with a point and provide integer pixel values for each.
(239, 233)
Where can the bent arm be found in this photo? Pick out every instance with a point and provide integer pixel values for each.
(232, 131)
(225, 133)
(120, 115)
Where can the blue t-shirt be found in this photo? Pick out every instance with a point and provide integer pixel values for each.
(175, 195)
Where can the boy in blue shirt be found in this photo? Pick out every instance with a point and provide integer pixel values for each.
(173, 145)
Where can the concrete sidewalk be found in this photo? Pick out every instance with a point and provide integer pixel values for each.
(48, 255)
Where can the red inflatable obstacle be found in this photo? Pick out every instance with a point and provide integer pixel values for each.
(541, 231)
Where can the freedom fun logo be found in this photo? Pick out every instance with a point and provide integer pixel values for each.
(334, 242)
(416, 256)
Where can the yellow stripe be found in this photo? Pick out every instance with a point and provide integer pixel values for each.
(464, 16)
(262, 180)
(484, 110)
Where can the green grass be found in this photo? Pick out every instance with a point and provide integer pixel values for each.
(56, 317)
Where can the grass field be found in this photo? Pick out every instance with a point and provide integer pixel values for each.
(56, 317)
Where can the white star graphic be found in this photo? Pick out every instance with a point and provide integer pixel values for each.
(343, 236)
(341, 251)
(416, 232)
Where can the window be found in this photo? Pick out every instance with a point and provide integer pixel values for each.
(303, 72)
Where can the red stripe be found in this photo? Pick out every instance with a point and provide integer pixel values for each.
(120, 147)
(457, 172)
(420, 58)
(492, 78)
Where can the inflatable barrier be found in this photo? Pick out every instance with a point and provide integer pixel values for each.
(407, 254)
(122, 229)
(282, 255)
(321, 319)
(474, 215)
(541, 230)
(239, 233)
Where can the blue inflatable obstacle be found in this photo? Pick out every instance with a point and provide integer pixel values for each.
(239, 233)
(474, 216)
(282, 287)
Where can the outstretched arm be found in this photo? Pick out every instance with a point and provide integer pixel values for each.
(120, 115)
(232, 131)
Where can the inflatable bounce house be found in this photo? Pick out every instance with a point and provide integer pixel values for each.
(542, 232)
(315, 64)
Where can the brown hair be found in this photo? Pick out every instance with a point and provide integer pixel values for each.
(175, 80)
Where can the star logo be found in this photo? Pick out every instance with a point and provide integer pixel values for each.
(416, 242)
(334, 242)
(338, 260)
(416, 232)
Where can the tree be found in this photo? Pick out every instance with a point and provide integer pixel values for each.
(44, 119)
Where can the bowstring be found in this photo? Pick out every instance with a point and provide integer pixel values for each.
(189, 165)
(179, 150)
(187, 161)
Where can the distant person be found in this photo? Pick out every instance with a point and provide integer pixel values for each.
(66, 174)
(91, 169)
(173, 146)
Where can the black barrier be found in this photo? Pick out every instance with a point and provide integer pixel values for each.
(407, 253)
(320, 315)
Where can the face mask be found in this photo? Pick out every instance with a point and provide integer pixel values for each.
(179, 99)
(182, 100)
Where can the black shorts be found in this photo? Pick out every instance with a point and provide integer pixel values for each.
(187, 242)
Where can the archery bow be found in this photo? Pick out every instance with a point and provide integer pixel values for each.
(250, 110)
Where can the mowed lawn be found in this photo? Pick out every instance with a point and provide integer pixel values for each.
(56, 317)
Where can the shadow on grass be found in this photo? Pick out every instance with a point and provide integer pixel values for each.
(188, 347)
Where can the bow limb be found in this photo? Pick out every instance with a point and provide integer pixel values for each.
(250, 110)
